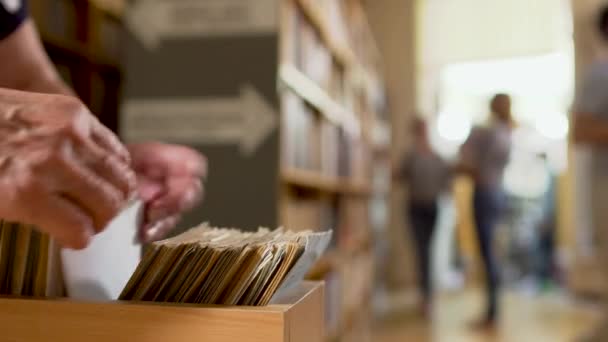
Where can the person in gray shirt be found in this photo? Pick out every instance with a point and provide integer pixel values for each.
(484, 157)
(426, 176)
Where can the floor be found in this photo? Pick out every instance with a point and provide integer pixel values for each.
(525, 318)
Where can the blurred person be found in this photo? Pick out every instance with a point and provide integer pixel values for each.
(60, 168)
(426, 176)
(590, 127)
(547, 268)
(484, 156)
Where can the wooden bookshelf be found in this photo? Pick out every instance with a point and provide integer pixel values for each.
(314, 180)
(311, 100)
(78, 50)
(317, 97)
(342, 52)
(312, 10)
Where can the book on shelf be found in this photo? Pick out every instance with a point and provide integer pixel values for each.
(329, 149)
(292, 20)
(336, 87)
(305, 49)
(334, 12)
(315, 147)
(297, 125)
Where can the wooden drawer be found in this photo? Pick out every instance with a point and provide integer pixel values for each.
(297, 317)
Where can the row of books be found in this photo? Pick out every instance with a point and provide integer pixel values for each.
(308, 52)
(29, 262)
(310, 142)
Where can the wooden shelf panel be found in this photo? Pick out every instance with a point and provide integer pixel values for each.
(314, 180)
(318, 98)
(114, 8)
(78, 50)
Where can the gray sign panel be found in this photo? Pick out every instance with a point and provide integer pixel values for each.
(217, 93)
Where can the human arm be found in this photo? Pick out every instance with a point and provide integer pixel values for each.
(60, 169)
(26, 66)
(31, 70)
(170, 182)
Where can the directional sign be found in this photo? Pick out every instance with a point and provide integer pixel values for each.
(203, 73)
(246, 120)
(154, 20)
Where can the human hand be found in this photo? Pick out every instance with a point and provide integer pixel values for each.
(60, 169)
(169, 181)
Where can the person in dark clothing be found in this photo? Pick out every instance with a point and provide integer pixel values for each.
(547, 267)
(426, 175)
(484, 157)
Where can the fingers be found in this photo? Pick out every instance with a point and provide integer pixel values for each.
(101, 200)
(108, 166)
(158, 160)
(148, 189)
(196, 164)
(160, 229)
(69, 224)
(107, 140)
(182, 194)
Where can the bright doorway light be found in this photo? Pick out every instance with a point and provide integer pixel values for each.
(553, 127)
(453, 127)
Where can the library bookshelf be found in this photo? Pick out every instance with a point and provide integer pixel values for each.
(331, 100)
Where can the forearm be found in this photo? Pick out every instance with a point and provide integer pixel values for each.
(27, 66)
(48, 85)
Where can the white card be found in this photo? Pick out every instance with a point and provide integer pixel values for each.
(100, 271)
(316, 244)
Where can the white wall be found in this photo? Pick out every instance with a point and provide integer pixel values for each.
(452, 31)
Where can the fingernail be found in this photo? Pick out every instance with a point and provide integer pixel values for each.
(151, 232)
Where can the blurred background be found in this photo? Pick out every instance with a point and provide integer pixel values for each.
(307, 110)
